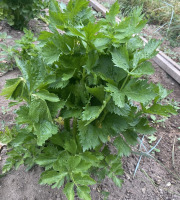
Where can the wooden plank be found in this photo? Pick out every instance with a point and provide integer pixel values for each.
(100, 8)
(166, 63)
(168, 67)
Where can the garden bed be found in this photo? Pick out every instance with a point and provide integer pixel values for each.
(154, 179)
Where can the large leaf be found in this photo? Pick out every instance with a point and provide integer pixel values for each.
(44, 130)
(88, 135)
(148, 52)
(139, 91)
(120, 58)
(50, 53)
(34, 73)
(143, 69)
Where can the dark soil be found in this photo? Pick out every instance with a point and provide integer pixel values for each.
(155, 179)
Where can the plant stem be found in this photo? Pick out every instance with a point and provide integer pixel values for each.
(74, 128)
(124, 82)
(67, 124)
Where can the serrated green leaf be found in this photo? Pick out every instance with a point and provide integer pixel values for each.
(120, 58)
(50, 53)
(23, 117)
(148, 52)
(91, 112)
(33, 72)
(46, 95)
(106, 70)
(71, 146)
(73, 162)
(61, 163)
(10, 87)
(92, 158)
(82, 167)
(97, 92)
(139, 91)
(143, 69)
(134, 43)
(69, 190)
(162, 92)
(118, 182)
(50, 177)
(114, 10)
(91, 30)
(45, 160)
(164, 110)
(84, 192)
(143, 127)
(122, 147)
(117, 95)
(44, 130)
(131, 137)
(38, 110)
(55, 107)
(88, 135)
(112, 108)
(83, 179)
(115, 123)
(44, 36)
(6, 136)
(101, 43)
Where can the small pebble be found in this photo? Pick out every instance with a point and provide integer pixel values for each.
(143, 190)
(168, 184)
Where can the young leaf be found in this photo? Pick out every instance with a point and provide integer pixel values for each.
(46, 95)
(164, 110)
(71, 146)
(114, 10)
(118, 182)
(120, 58)
(143, 127)
(83, 179)
(69, 190)
(50, 177)
(84, 192)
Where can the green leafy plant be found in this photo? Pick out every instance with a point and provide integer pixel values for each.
(23, 49)
(87, 98)
(158, 12)
(18, 13)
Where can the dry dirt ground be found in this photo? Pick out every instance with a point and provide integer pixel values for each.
(155, 179)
